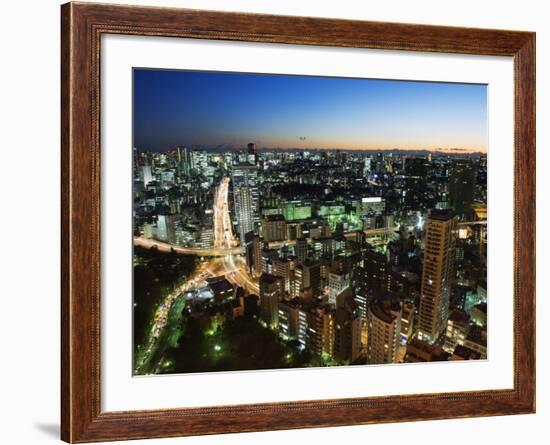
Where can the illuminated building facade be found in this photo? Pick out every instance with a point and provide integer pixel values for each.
(384, 321)
(437, 274)
(245, 197)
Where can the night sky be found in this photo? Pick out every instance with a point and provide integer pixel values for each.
(213, 109)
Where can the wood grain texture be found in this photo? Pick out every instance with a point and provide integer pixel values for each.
(82, 26)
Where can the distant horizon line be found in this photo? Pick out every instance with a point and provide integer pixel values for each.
(450, 150)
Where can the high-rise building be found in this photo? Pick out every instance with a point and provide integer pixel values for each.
(437, 274)
(271, 293)
(257, 246)
(301, 249)
(384, 318)
(251, 153)
(165, 228)
(407, 322)
(147, 175)
(311, 271)
(347, 334)
(274, 228)
(375, 268)
(307, 276)
(268, 256)
(245, 196)
(183, 161)
(372, 209)
(293, 321)
(323, 247)
(362, 297)
(462, 178)
(337, 282)
(284, 268)
(297, 285)
(249, 250)
(458, 327)
(366, 166)
(320, 332)
(199, 160)
(415, 183)
(244, 211)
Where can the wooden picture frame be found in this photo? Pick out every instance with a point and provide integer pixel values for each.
(82, 25)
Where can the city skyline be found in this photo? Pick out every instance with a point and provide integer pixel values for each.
(250, 258)
(226, 110)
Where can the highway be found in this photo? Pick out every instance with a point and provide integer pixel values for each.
(166, 247)
(226, 244)
(227, 261)
(223, 229)
(160, 318)
(234, 266)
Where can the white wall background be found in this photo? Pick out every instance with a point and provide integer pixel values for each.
(29, 218)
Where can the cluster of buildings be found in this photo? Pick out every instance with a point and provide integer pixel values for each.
(359, 257)
(354, 305)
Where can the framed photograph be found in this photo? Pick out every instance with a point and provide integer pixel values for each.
(275, 222)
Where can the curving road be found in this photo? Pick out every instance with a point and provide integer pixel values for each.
(228, 262)
(224, 238)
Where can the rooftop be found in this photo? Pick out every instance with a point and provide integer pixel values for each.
(269, 279)
(441, 215)
(386, 310)
(461, 352)
(459, 316)
(220, 285)
(478, 335)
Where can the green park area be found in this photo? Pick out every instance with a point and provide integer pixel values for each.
(238, 344)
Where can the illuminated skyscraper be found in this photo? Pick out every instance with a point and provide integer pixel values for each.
(320, 332)
(147, 175)
(437, 275)
(366, 166)
(183, 161)
(245, 196)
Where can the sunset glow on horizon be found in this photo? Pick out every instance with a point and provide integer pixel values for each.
(212, 109)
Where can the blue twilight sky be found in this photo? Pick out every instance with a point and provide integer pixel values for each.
(214, 108)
